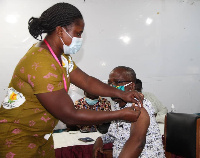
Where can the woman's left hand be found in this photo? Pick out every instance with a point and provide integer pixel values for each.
(133, 97)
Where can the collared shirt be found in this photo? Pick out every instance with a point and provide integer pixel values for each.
(119, 132)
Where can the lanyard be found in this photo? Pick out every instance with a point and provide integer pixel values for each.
(55, 57)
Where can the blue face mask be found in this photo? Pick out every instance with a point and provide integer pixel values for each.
(90, 101)
(122, 87)
(74, 46)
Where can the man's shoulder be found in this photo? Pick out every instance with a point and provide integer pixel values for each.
(148, 106)
(146, 102)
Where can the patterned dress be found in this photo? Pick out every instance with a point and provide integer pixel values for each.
(24, 122)
(102, 105)
(119, 132)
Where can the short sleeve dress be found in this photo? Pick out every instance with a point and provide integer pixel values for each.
(24, 122)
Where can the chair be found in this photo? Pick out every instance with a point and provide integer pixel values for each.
(107, 153)
(182, 135)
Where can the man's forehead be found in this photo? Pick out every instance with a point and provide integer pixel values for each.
(118, 71)
(118, 75)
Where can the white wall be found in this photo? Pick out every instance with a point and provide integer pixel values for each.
(163, 46)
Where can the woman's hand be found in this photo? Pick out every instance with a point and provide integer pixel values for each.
(96, 87)
(131, 113)
(98, 147)
(133, 97)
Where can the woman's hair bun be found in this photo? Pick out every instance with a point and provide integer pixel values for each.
(60, 14)
(34, 26)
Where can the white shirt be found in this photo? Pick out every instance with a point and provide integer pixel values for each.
(119, 132)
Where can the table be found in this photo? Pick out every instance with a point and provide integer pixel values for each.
(65, 139)
(67, 145)
(70, 138)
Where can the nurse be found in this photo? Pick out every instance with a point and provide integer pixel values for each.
(37, 95)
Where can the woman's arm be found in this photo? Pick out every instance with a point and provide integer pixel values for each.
(95, 86)
(61, 106)
(137, 139)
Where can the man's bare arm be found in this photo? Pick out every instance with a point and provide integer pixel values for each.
(135, 144)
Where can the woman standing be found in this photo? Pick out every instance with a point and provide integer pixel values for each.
(38, 92)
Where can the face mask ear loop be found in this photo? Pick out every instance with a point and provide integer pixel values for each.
(127, 84)
(62, 40)
(66, 32)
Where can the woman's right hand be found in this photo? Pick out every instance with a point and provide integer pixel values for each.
(98, 147)
(131, 113)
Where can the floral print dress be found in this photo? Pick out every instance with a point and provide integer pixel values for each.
(102, 105)
(24, 123)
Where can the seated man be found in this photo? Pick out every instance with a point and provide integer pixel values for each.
(97, 103)
(160, 110)
(131, 140)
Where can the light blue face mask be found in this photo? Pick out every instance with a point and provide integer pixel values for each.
(90, 101)
(122, 87)
(74, 47)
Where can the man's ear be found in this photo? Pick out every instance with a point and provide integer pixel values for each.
(133, 86)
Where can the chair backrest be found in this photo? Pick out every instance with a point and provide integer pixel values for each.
(182, 135)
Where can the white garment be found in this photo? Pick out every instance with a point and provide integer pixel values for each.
(60, 125)
(160, 110)
(119, 132)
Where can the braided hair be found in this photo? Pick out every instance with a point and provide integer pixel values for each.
(60, 14)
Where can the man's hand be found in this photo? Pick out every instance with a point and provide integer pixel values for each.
(98, 147)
